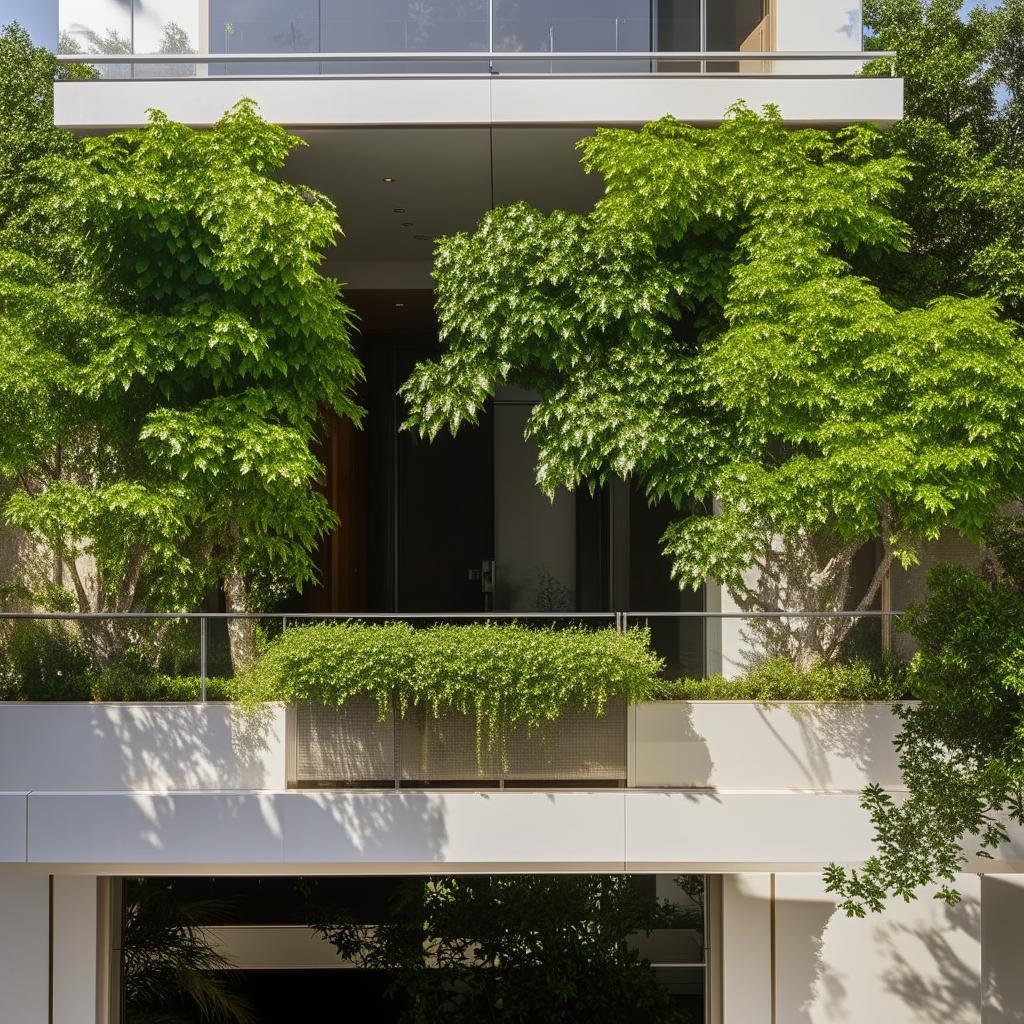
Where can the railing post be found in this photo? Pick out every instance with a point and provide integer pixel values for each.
(202, 658)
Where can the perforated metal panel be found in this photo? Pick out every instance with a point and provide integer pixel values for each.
(353, 745)
(347, 744)
(443, 749)
(576, 745)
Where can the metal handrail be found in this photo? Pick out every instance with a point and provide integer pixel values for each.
(619, 620)
(471, 55)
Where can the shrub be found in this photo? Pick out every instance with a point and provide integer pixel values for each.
(778, 679)
(502, 674)
(124, 683)
(42, 660)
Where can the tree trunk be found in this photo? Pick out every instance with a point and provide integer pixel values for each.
(240, 631)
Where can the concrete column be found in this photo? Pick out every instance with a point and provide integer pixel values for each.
(747, 949)
(1002, 949)
(24, 948)
(80, 949)
(916, 963)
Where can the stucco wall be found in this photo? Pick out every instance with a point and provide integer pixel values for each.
(918, 963)
(116, 747)
(745, 745)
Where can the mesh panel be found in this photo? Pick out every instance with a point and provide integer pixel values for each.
(576, 745)
(351, 744)
(443, 749)
(346, 744)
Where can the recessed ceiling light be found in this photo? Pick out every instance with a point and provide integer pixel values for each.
(399, 305)
(388, 181)
(406, 223)
(398, 209)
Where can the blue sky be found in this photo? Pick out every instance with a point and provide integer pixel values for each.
(38, 17)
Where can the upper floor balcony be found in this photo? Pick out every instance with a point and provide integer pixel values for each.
(469, 62)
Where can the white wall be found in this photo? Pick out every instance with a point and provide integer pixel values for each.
(918, 963)
(76, 928)
(756, 746)
(24, 949)
(1002, 949)
(746, 949)
(91, 106)
(81, 746)
(822, 25)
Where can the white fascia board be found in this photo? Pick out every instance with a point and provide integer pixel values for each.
(389, 832)
(628, 101)
(509, 100)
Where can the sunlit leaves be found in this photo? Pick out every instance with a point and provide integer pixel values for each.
(704, 330)
(168, 356)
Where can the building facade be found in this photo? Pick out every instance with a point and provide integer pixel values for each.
(418, 119)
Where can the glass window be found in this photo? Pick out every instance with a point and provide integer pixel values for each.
(97, 26)
(265, 26)
(546, 26)
(731, 23)
(388, 26)
(396, 26)
(172, 26)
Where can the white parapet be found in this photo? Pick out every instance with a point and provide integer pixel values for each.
(358, 102)
(747, 745)
(151, 746)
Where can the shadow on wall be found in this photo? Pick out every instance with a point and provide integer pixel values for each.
(948, 989)
(234, 748)
(918, 963)
(192, 746)
(858, 735)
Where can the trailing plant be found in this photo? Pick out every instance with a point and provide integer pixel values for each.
(778, 679)
(502, 674)
(961, 750)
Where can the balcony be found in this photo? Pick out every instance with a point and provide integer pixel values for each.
(332, 63)
(184, 785)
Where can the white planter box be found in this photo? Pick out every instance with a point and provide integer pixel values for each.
(72, 747)
(750, 746)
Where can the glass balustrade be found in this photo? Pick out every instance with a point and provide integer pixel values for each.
(511, 37)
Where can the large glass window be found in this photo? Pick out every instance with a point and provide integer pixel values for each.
(571, 26)
(265, 26)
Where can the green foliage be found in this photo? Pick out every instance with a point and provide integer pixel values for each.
(118, 684)
(703, 330)
(963, 130)
(27, 74)
(42, 660)
(166, 355)
(517, 948)
(778, 679)
(172, 974)
(962, 749)
(502, 674)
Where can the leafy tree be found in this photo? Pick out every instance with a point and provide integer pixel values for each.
(167, 347)
(963, 131)
(702, 330)
(516, 948)
(27, 74)
(962, 748)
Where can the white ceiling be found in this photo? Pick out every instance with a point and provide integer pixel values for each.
(444, 181)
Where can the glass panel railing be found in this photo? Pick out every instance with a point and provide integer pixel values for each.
(253, 38)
